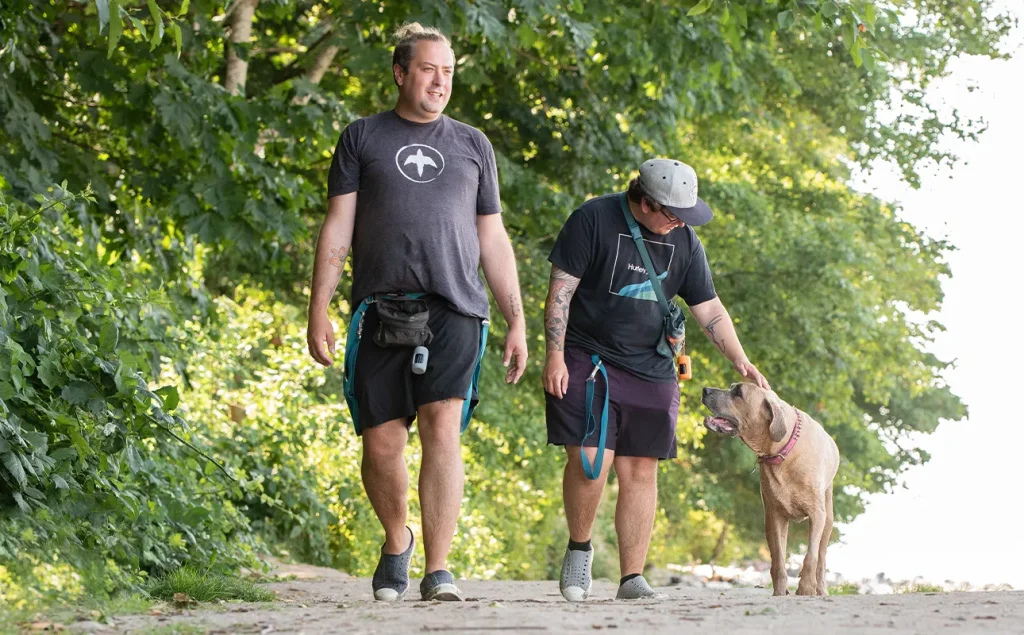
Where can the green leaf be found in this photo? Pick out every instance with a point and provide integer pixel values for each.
(195, 515)
(785, 19)
(36, 440)
(140, 26)
(59, 482)
(104, 12)
(61, 454)
(184, 8)
(80, 443)
(78, 392)
(134, 460)
(855, 52)
(108, 337)
(20, 500)
(158, 24)
(700, 8)
(13, 464)
(176, 34)
(115, 29)
(741, 15)
(48, 373)
(829, 9)
(869, 16)
(169, 396)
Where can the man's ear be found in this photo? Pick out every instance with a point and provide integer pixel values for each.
(399, 74)
(776, 418)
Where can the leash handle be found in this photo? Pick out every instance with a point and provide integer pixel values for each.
(593, 471)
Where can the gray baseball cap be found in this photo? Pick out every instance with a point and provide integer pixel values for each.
(674, 184)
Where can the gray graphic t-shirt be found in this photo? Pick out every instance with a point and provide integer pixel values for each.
(420, 188)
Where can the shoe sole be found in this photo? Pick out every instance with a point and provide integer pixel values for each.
(575, 594)
(388, 595)
(444, 593)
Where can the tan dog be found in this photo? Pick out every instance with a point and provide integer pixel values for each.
(798, 462)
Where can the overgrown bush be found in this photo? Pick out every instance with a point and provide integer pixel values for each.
(95, 477)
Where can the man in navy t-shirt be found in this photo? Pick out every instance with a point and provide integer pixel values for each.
(601, 302)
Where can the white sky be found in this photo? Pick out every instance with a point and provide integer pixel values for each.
(960, 517)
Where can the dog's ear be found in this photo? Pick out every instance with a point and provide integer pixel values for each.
(776, 418)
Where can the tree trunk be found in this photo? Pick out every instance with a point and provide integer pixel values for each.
(322, 63)
(720, 544)
(241, 31)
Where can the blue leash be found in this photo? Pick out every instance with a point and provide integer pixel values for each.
(355, 331)
(593, 472)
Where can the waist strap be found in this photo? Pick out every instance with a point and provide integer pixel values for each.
(355, 332)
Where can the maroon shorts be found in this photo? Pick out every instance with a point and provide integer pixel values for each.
(641, 414)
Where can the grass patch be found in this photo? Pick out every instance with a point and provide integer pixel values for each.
(15, 621)
(207, 587)
(270, 579)
(845, 588)
(915, 587)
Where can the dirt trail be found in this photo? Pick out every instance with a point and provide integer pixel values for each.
(326, 601)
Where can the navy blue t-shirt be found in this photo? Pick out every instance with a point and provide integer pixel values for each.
(614, 312)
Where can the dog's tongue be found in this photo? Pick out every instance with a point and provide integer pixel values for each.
(718, 423)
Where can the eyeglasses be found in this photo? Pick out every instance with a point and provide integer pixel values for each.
(668, 215)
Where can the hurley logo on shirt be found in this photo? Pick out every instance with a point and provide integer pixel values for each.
(419, 163)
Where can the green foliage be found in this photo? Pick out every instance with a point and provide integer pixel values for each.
(918, 587)
(844, 588)
(91, 466)
(184, 279)
(202, 586)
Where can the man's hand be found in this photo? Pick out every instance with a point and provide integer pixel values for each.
(320, 338)
(556, 375)
(748, 370)
(515, 353)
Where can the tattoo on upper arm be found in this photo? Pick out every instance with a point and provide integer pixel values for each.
(710, 328)
(562, 288)
(337, 258)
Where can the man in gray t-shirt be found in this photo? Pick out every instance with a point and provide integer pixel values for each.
(415, 194)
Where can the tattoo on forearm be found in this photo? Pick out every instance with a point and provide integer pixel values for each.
(337, 258)
(513, 303)
(710, 328)
(556, 315)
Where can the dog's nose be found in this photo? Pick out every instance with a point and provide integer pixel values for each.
(707, 391)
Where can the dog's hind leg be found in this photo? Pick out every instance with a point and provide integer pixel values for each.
(809, 571)
(777, 531)
(826, 534)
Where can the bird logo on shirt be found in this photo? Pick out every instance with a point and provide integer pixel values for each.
(419, 163)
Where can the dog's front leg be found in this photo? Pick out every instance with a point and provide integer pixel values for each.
(777, 531)
(826, 535)
(809, 571)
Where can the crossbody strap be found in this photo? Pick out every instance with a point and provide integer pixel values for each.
(634, 230)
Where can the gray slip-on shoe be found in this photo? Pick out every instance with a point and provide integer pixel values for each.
(391, 577)
(576, 581)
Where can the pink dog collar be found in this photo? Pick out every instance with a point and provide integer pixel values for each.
(776, 459)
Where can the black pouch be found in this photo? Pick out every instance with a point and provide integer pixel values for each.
(673, 332)
(403, 322)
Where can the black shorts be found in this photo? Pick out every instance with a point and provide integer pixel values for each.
(641, 414)
(385, 386)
